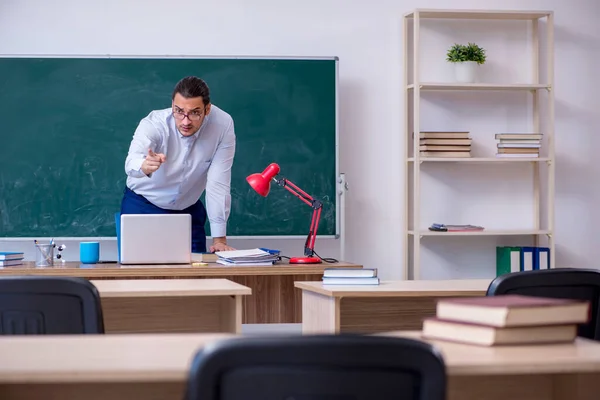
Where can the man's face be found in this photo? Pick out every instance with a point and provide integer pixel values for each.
(189, 114)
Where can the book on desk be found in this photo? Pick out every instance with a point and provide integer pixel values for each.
(347, 276)
(506, 319)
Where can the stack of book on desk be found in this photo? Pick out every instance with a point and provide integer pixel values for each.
(10, 258)
(247, 257)
(350, 276)
(506, 320)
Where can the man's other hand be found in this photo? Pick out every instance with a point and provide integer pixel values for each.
(220, 245)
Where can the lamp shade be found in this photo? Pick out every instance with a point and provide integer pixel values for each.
(261, 183)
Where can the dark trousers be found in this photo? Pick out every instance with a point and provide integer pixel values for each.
(133, 203)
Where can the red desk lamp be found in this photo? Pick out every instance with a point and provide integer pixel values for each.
(261, 183)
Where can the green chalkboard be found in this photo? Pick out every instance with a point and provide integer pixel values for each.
(67, 123)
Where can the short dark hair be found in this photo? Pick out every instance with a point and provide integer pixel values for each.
(192, 86)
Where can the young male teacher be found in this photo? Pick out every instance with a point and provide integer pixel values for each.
(175, 154)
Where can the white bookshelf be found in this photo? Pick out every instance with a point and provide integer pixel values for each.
(543, 225)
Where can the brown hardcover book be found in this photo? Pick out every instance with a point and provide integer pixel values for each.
(514, 310)
(461, 332)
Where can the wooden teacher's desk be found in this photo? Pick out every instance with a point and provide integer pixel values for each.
(156, 367)
(392, 305)
(274, 298)
(171, 305)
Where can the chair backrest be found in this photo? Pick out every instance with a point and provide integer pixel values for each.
(38, 305)
(565, 283)
(318, 367)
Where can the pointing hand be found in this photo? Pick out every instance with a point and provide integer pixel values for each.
(152, 162)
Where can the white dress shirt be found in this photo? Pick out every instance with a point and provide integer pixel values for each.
(193, 164)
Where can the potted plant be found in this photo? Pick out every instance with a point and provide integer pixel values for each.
(466, 59)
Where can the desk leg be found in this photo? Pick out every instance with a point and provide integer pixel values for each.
(320, 314)
(231, 314)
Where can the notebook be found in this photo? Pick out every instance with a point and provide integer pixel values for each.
(156, 239)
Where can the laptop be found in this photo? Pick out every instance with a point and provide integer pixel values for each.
(155, 239)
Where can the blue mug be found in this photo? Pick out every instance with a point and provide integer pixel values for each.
(89, 252)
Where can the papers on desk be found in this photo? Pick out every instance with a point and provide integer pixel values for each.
(248, 257)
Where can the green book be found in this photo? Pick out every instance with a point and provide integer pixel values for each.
(508, 259)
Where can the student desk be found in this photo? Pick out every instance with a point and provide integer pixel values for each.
(389, 306)
(171, 305)
(274, 298)
(155, 367)
(527, 372)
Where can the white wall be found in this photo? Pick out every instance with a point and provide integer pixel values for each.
(368, 41)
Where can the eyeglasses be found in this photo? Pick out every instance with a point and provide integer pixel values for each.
(192, 115)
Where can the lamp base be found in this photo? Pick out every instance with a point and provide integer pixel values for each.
(305, 260)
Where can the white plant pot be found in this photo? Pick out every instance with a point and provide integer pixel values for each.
(466, 71)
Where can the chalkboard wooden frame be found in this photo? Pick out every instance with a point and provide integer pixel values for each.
(338, 189)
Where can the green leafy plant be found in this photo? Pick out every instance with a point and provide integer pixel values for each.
(469, 52)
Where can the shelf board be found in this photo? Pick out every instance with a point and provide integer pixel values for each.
(480, 159)
(479, 14)
(479, 86)
(490, 232)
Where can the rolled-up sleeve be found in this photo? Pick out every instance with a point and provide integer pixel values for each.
(218, 185)
(146, 137)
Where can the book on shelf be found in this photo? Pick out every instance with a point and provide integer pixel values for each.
(445, 154)
(443, 135)
(511, 259)
(350, 276)
(511, 145)
(506, 319)
(455, 228)
(445, 144)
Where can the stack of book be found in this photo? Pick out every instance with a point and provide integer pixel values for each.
(445, 144)
(10, 258)
(350, 276)
(512, 145)
(248, 257)
(506, 320)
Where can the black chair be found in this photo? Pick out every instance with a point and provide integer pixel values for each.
(38, 305)
(318, 367)
(564, 283)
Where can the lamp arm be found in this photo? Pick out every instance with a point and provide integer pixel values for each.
(295, 190)
(316, 205)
